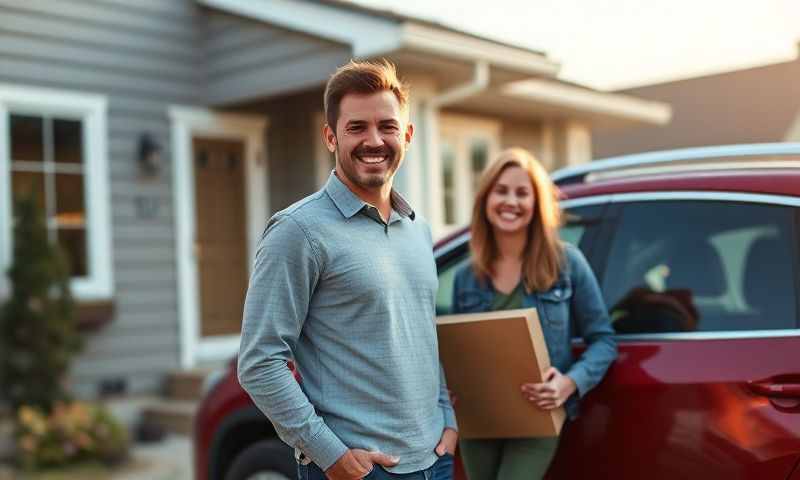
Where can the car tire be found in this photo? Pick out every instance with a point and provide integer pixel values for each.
(265, 460)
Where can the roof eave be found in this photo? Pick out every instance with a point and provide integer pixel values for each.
(426, 39)
(366, 34)
(598, 104)
(370, 35)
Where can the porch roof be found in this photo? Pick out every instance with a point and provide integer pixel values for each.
(522, 81)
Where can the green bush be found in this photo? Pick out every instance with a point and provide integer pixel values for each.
(71, 433)
(38, 334)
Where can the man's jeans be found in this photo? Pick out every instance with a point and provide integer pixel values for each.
(441, 470)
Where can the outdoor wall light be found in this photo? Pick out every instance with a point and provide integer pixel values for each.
(149, 156)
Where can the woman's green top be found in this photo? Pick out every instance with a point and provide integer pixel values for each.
(509, 301)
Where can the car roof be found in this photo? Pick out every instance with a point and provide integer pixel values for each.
(759, 181)
(767, 169)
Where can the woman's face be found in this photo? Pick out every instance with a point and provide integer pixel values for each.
(509, 205)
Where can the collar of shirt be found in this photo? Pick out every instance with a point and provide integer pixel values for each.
(349, 204)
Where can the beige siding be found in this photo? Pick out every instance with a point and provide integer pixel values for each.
(526, 135)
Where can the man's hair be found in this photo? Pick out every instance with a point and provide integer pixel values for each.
(362, 78)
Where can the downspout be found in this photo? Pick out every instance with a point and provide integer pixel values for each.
(431, 107)
(478, 83)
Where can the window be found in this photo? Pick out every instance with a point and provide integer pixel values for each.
(478, 159)
(581, 223)
(677, 266)
(467, 145)
(53, 148)
(448, 183)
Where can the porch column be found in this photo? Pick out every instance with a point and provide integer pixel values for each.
(421, 178)
(547, 145)
(577, 143)
(410, 178)
(433, 169)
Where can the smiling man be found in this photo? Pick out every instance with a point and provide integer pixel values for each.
(344, 283)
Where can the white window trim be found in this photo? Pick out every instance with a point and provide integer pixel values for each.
(186, 123)
(460, 131)
(92, 111)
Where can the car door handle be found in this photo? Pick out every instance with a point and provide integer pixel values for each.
(775, 389)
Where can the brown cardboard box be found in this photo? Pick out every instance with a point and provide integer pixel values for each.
(486, 358)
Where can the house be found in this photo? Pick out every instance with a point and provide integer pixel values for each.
(162, 134)
(754, 105)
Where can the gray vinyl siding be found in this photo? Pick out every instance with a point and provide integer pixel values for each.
(246, 59)
(143, 56)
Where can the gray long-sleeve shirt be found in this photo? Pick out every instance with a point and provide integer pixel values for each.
(352, 300)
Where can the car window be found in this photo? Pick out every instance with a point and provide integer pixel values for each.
(578, 221)
(677, 266)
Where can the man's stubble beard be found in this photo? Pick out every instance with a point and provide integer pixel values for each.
(368, 181)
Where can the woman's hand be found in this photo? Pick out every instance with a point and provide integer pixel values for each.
(552, 393)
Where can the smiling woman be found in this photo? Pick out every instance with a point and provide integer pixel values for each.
(518, 261)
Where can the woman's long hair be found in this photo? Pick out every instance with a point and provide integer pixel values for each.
(543, 256)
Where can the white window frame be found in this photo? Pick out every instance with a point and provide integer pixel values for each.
(91, 110)
(461, 132)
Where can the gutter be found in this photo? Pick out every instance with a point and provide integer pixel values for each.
(460, 46)
(478, 83)
(582, 99)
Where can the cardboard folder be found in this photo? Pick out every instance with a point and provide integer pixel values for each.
(486, 358)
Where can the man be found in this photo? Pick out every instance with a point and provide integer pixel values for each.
(344, 283)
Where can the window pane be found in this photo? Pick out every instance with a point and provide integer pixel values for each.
(73, 242)
(68, 141)
(706, 266)
(27, 138)
(449, 183)
(478, 156)
(579, 221)
(27, 184)
(69, 200)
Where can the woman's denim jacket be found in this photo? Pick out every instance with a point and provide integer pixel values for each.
(574, 306)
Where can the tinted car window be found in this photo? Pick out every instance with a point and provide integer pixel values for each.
(578, 223)
(677, 266)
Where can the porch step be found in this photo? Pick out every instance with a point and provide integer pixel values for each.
(186, 385)
(175, 416)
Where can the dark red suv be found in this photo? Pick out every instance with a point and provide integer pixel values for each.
(698, 255)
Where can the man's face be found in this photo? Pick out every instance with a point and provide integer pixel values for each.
(370, 139)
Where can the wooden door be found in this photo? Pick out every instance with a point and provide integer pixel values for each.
(220, 244)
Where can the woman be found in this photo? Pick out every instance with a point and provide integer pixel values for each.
(518, 261)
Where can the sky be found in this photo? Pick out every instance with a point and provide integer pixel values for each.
(614, 44)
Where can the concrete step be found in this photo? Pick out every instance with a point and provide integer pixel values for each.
(186, 385)
(176, 416)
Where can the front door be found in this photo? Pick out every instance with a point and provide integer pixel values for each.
(221, 241)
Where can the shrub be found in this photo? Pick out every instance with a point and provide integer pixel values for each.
(71, 432)
(38, 334)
